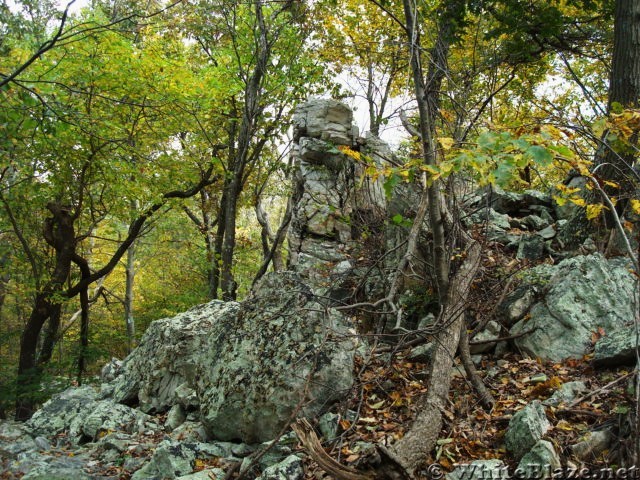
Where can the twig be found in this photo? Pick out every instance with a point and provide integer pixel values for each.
(601, 389)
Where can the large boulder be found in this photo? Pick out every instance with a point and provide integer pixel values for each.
(247, 366)
(160, 373)
(284, 351)
(583, 294)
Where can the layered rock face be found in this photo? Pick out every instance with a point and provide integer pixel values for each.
(334, 200)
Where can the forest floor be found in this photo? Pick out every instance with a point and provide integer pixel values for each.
(389, 393)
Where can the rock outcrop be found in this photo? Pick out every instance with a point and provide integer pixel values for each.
(581, 295)
(334, 200)
(248, 367)
(284, 352)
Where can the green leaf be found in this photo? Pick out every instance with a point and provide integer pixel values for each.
(397, 219)
(487, 140)
(616, 108)
(540, 155)
(390, 183)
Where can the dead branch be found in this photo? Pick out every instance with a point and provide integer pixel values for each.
(312, 445)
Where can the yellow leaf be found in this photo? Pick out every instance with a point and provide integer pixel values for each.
(349, 152)
(446, 142)
(594, 210)
(611, 184)
(564, 425)
(560, 200)
(578, 201)
(635, 205)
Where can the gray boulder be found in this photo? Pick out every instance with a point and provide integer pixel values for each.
(517, 304)
(534, 222)
(490, 332)
(517, 204)
(326, 119)
(78, 412)
(48, 466)
(526, 428)
(162, 368)
(566, 393)
(582, 294)
(170, 460)
(289, 469)
(530, 247)
(64, 411)
(15, 438)
(547, 233)
(616, 348)
(421, 353)
(539, 462)
(175, 417)
(248, 365)
(282, 350)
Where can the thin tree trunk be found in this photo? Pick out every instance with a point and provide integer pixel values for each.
(85, 272)
(251, 111)
(277, 243)
(268, 238)
(4, 281)
(214, 284)
(130, 274)
(414, 448)
(84, 334)
(472, 374)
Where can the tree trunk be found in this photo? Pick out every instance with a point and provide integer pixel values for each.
(214, 283)
(51, 336)
(59, 233)
(268, 238)
(228, 283)
(414, 448)
(4, 281)
(624, 91)
(251, 112)
(84, 334)
(624, 84)
(130, 274)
